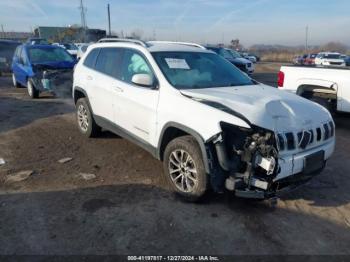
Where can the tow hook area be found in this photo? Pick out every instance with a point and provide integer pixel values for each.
(251, 166)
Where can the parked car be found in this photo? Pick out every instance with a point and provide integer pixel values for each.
(210, 124)
(38, 66)
(346, 58)
(37, 41)
(243, 64)
(71, 48)
(7, 49)
(249, 57)
(250, 66)
(329, 59)
(309, 59)
(81, 50)
(326, 86)
(298, 60)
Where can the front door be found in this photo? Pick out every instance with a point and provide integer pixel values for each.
(136, 105)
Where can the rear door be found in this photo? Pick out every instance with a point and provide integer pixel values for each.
(17, 66)
(103, 86)
(23, 67)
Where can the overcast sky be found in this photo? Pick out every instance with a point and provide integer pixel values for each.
(204, 21)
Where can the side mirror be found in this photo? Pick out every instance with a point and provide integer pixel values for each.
(142, 80)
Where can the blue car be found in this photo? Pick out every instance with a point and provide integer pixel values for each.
(41, 68)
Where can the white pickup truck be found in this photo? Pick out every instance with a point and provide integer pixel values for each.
(329, 87)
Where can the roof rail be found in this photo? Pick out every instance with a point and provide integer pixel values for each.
(179, 43)
(111, 40)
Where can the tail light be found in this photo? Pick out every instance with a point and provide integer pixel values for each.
(280, 81)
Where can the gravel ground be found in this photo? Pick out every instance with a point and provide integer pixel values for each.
(128, 209)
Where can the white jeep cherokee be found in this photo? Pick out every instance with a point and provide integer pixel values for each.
(210, 124)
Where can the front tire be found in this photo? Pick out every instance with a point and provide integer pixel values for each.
(32, 91)
(184, 168)
(86, 123)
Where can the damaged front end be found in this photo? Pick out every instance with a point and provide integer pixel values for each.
(249, 158)
(57, 81)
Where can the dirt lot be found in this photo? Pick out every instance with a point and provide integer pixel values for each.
(127, 208)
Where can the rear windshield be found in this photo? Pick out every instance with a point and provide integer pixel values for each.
(332, 56)
(194, 70)
(40, 55)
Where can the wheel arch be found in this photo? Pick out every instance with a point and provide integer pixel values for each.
(78, 93)
(328, 91)
(173, 130)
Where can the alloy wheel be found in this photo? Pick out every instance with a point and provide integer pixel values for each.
(182, 170)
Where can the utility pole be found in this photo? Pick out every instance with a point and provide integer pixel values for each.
(109, 20)
(306, 37)
(83, 18)
(3, 31)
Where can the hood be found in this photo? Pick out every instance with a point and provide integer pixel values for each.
(54, 65)
(265, 106)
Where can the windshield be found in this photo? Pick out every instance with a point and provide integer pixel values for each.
(192, 70)
(40, 55)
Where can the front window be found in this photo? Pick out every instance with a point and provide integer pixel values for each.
(42, 55)
(192, 70)
(134, 63)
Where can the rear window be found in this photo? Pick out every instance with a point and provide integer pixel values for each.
(109, 60)
(90, 60)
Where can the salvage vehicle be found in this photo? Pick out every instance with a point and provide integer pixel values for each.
(310, 59)
(7, 49)
(328, 87)
(243, 64)
(42, 68)
(329, 59)
(211, 125)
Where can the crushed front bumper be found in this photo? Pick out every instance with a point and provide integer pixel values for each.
(57, 81)
(294, 172)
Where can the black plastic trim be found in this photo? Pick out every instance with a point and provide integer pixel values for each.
(107, 124)
(193, 133)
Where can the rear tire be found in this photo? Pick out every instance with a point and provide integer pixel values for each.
(184, 168)
(14, 81)
(32, 91)
(86, 123)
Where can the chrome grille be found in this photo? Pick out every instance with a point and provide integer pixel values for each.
(305, 138)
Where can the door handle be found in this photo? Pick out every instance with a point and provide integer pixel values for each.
(118, 89)
(89, 77)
